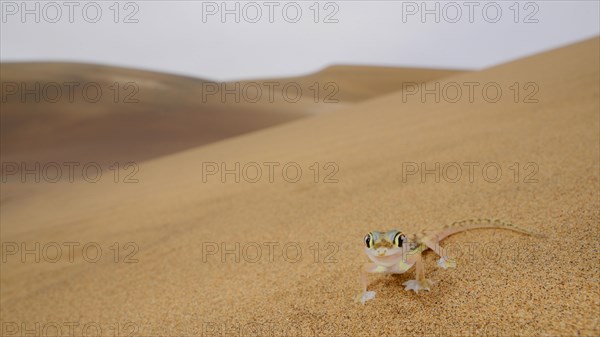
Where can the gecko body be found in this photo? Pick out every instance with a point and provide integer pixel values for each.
(393, 252)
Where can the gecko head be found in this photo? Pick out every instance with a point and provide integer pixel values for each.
(379, 245)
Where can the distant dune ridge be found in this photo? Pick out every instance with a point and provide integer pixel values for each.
(505, 283)
(141, 114)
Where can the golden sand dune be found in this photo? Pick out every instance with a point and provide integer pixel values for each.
(209, 256)
(349, 84)
(110, 114)
(138, 115)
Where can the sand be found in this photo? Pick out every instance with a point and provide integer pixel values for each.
(169, 225)
(141, 115)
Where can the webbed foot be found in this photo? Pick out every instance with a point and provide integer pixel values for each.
(446, 263)
(416, 285)
(366, 296)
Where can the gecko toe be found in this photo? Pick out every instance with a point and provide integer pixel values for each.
(367, 296)
(416, 285)
(446, 263)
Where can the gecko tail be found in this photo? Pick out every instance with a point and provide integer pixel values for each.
(461, 226)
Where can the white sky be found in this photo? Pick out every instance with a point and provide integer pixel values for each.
(182, 37)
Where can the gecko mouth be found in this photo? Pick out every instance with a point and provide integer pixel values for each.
(387, 254)
(384, 257)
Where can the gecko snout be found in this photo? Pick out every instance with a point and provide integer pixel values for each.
(381, 251)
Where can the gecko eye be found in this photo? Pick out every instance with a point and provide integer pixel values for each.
(369, 240)
(399, 239)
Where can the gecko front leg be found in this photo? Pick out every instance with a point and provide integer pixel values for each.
(367, 295)
(420, 282)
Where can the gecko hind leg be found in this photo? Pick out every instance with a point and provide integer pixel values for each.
(445, 261)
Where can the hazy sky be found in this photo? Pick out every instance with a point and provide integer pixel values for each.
(280, 38)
